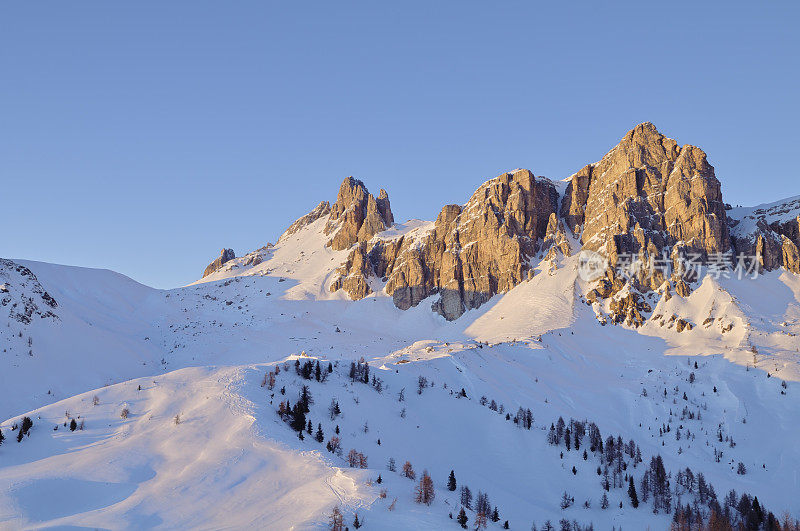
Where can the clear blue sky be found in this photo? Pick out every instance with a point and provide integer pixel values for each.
(145, 136)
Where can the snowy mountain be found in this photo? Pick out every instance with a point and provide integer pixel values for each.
(479, 343)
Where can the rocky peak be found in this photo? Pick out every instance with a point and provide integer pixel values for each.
(472, 252)
(224, 256)
(645, 196)
(357, 216)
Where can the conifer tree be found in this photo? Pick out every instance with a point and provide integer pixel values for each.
(462, 518)
(466, 497)
(73, 425)
(424, 492)
(337, 520)
(298, 422)
(451, 481)
(319, 435)
(632, 493)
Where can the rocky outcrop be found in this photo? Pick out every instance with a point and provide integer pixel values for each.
(770, 233)
(224, 256)
(648, 189)
(628, 309)
(555, 241)
(648, 199)
(357, 216)
(471, 253)
(23, 295)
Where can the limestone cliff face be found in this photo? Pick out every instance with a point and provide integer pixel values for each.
(648, 189)
(646, 197)
(469, 254)
(224, 256)
(357, 216)
(771, 233)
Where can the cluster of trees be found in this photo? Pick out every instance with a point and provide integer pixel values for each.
(701, 508)
(295, 415)
(310, 370)
(483, 508)
(356, 459)
(359, 371)
(24, 428)
(615, 454)
(563, 525)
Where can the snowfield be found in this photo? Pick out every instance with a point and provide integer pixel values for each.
(202, 444)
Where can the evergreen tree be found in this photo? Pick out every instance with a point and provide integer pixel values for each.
(466, 497)
(2, 437)
(495, 515)
(305, 399)
(298, 422)
(73, 425)
(309, 427)
(317, 372)
(451, 481)
(356, 523)
(604, 502)
(482, 505)
(632, 493)
(319, 436)
(462, 518)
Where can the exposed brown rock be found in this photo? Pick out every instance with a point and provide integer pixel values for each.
(790, 255)
(645, 195)
(472, 252)
(224, 256)
(772, 243)
(628, 309)
(357, 216)
(555, 239)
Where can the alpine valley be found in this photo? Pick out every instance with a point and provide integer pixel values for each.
(463, 372)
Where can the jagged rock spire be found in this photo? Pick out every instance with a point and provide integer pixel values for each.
(357, 216)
